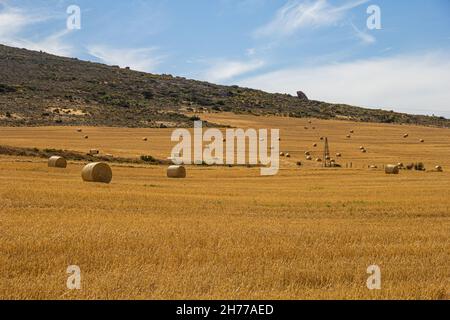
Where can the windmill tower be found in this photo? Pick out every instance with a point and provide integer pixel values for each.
(326, 155)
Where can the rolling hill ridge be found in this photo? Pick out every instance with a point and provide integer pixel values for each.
(38, 89)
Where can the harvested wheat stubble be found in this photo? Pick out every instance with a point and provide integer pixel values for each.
(57, 162)
(176, 172)
(391, 169)
(97, 172)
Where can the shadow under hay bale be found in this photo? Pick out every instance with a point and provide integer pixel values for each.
(176, 172)
(97, 172)
(57, 162)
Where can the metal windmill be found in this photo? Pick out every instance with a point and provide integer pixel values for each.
(326, 155)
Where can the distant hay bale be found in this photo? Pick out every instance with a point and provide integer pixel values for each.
(318, 160)
(299, 163)
(86, 137)
(400, 165)
(391, 169)
(97, 172)
(306, 128)
(309, 158)
(352, 131)
(288, 155)
(373, 167)
(422, 141)
(361, 148)
(419, 166)
(438, 168)
(176, 172)
(410, 166)
(57, 162)
(79, 130)
(338, 155)
(315, 145)
(327, 158)
(321, 138)
(364, 151)
(307, 153)
(281, 154)
(405, 135)
(349, 136)
(144, 139)
(93, 151)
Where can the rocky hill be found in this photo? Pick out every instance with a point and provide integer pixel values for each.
(37, 88)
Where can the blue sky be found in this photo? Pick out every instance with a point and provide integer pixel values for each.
(322, 47)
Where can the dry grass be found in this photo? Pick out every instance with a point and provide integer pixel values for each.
(227, 232)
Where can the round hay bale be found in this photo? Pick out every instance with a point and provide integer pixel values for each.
(410, 166)
(306, 128)
(391, 169)
(79, 130)
(438, 169)
(57, 162)
(299, 163)
(97, 172)
(318, 160)
(309, 158)
(176, 172)
(373, 167)
(144, 139)
(352, 131)
(86, 137)
(338, 155)
(364, 151)
(405, 135)
(315, 145)
(422, 141)
(321, 138)
(314, 128)
(349, 136)
(94, 151)
(307, 153)
(288, 155)
(361, 148)
(281, 154)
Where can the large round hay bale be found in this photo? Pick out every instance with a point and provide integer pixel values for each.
(391, 169)
(338, 155)
(281, 154)
(176, 172)
(86, 137)
(309, 158)
(79, 130)
(315, 145)
(144, 139)
(57, 162)
(422, 141)
(97, 172)
(406, 135)
(438, 168)
(307, 153)
(349, 136)
(288, 155)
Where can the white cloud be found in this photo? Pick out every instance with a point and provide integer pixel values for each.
(407, 83)
(14, 21)
(140, 59)
(223, 70)
(295, 15)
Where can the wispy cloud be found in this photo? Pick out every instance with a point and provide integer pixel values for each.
(14, 21)
(365, 37)
(223, 70)
(295, 15)
(140, 59)
(404, 83)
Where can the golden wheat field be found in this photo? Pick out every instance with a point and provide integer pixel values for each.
(229, 233)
